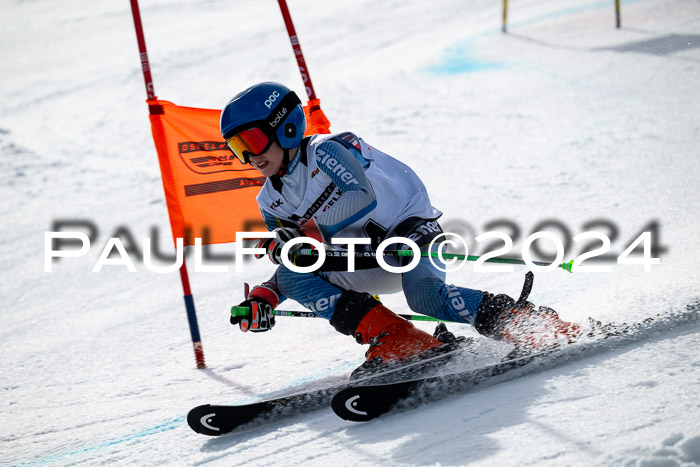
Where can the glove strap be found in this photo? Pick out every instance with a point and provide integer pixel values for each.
(266, 292)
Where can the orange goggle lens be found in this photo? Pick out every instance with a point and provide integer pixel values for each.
(250, 142)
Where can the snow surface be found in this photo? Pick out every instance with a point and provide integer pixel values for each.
(563, 118)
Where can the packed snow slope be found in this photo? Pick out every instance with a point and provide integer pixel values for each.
(563, 119)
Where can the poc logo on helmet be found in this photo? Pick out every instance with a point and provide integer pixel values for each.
(271, 99)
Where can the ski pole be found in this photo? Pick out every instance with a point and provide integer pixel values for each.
(237, 311)
(244, 311)
(409, 253)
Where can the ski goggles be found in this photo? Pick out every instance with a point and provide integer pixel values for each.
(253, 139)
(250, 142)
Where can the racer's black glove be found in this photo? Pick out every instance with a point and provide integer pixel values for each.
(256, 313)
(274, 245)
(285, 234)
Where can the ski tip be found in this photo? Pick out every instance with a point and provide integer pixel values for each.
(364, 403)
(202, 420)
(349, 405)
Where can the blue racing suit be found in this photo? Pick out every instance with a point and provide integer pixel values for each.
(352, 189)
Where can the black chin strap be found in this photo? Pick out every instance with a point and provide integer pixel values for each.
(285, 163)
(277, 179)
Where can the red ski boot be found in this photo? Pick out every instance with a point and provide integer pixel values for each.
(521, 324)
(532, 329)
(392, 340)
(391, 337)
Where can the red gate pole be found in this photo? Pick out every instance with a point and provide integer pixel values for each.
(317, 119)
(145, 66)
(150, 93)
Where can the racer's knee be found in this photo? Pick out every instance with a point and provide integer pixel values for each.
(425, 295)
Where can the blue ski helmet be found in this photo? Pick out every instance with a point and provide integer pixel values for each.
(271, 107)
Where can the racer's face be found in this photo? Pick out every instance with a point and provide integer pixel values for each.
(269, 162)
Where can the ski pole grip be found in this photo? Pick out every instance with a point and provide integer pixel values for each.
(237, 311)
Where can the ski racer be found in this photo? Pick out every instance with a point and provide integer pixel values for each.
(337, 185)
